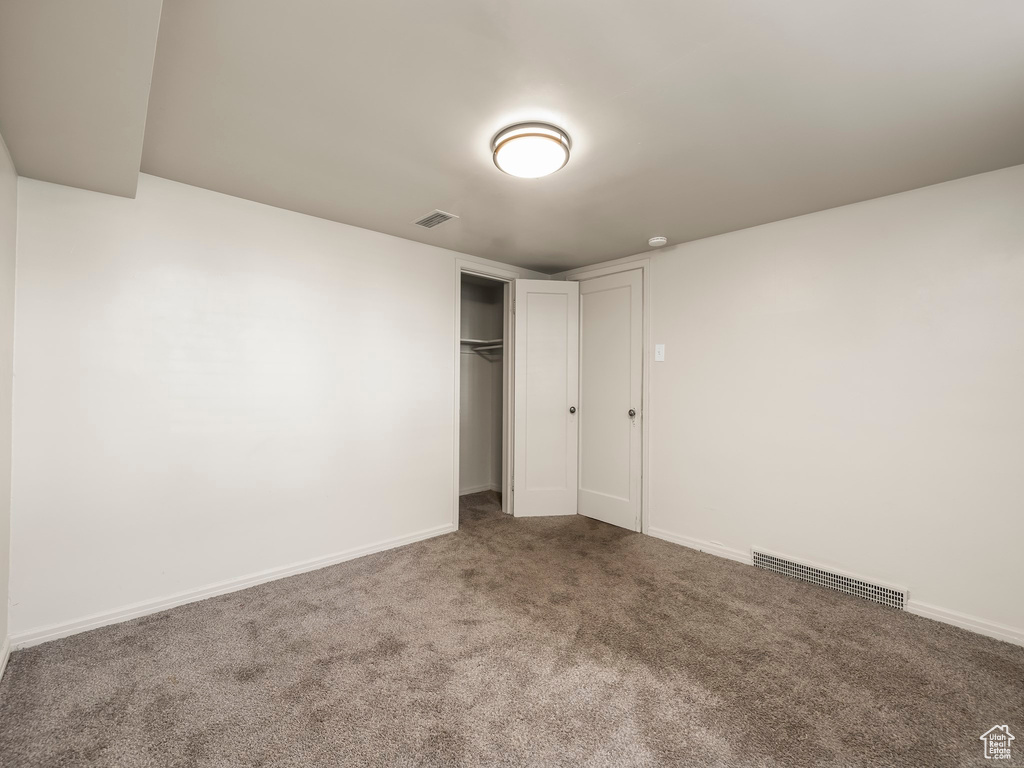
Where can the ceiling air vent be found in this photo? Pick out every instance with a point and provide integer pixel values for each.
(434, 218)
(894, 597)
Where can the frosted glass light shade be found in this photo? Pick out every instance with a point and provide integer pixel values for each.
(531, 150)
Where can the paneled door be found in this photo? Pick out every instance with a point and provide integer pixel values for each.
(610, 409)
(546, 384)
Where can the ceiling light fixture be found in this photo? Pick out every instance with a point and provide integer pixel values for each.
(531, 150)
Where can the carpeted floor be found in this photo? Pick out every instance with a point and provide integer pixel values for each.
(550, 641)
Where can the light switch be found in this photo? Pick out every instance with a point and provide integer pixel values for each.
(659, 353)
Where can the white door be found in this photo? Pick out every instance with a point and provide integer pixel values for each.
(611, 376)
(546, 384)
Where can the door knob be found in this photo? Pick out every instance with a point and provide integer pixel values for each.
(632, 413)
(572, 409)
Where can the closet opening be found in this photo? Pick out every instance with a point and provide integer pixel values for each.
(483, 388)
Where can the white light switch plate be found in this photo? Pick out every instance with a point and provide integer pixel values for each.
(659, 353)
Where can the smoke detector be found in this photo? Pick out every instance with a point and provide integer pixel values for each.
(657, 242)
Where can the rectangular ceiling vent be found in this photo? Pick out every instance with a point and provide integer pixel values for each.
(894, 597)
(434, 218)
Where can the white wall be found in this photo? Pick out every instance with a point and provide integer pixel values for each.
(482, 317)
(848, 387)
(210, 388)
(8, 240)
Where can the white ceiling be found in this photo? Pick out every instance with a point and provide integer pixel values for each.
(689, 117)
(74, 85)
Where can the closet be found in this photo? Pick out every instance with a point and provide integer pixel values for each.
(481, 396)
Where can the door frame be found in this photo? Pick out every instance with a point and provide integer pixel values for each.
(587, 273)
(506, 276)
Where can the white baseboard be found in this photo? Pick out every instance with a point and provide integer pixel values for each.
(5, 654)
(974, 624)
(719, 550)
(480, 489)
(56, 631)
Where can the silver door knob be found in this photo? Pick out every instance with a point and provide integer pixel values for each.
(632, 413)
(572, 409)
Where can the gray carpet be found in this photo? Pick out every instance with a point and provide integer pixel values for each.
(557, 641)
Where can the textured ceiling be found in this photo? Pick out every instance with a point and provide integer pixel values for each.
(74, 89)
(689, 117)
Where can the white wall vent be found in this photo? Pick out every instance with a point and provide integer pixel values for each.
(434, 218)
(894, 597)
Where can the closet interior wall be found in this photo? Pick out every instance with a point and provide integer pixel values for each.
(480, 386)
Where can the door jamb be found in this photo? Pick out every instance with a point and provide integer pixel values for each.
(586, 273)
(506, 276)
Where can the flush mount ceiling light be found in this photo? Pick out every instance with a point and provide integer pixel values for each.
(531, 150)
